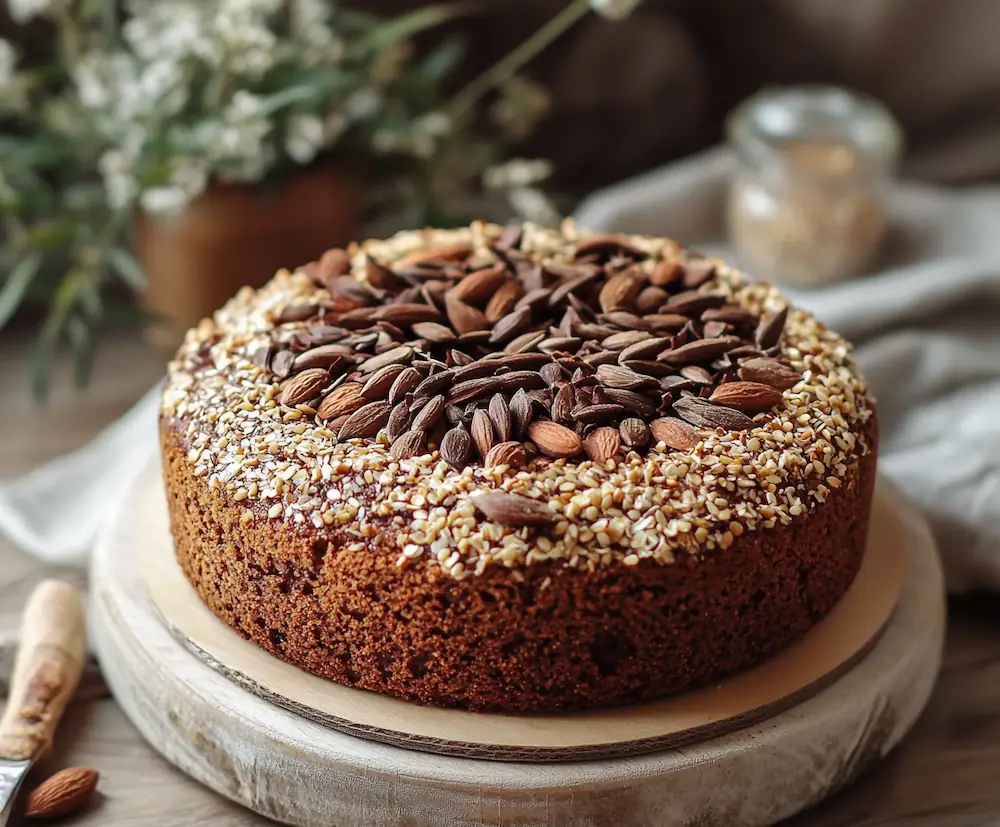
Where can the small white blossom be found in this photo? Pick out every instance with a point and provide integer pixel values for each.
(614, 9)
(119, 183)
(517, 172)
(532, 205)
(164, 200)
(306, 135)
(22, 11)
(362, 104)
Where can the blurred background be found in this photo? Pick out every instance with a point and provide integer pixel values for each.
(155, 155)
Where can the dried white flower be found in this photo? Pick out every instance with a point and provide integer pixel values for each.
(614, 9)
(362, 104)
(305, 137)
(119, 182)
(533, 205)
(22, 11)
(517, 172)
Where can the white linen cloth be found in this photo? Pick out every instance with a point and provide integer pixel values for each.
(926, 326)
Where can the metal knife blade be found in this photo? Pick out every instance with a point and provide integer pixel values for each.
(12, 773)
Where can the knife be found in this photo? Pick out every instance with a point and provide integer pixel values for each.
(47, 670)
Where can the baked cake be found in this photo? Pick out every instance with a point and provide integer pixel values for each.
(515, 468)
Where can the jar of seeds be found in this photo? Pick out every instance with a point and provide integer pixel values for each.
(806, 205)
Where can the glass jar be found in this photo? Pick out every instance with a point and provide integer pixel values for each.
(806, 206)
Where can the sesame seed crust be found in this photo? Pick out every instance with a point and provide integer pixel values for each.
(284, 464)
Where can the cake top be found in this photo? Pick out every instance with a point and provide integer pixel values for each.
(494, 395)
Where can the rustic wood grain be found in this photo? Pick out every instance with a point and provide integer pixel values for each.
(943, 775)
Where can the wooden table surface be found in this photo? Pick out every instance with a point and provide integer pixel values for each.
(945, 774)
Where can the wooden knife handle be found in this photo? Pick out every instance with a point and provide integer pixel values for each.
(47, 670)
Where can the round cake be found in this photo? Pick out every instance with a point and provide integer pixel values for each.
(517, 468)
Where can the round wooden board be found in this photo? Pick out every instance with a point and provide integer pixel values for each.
(300, 772)
(832, 647)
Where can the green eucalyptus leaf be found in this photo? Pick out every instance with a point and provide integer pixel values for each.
(436, 66)
(16, 286)
(128, 268)
(81, 338)
(407, 25)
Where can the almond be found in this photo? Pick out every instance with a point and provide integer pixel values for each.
(483, 434)
(634, 433)
(749, 397)
(554, 440)
(382, 277)
(303, 386)
(503, 301)
(707, 414)
(500, 414)
(620, 290)
(429, 414)
(343, 400)
(366, 421)
(676, 433)
(464, 317)
(667, 272)
(479, 287)
(63, 793)
(506, 453)
(512, 509)
(450, 252)
(456, 448)
(602, 444)
(333, 263)
(378, 384)
(408, 444)
(769, 372)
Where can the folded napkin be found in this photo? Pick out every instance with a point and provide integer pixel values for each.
(927, 329)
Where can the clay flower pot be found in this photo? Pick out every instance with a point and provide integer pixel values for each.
(235, 235)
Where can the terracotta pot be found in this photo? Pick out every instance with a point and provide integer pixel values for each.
(235, 235)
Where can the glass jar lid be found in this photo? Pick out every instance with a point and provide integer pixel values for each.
(764, 125)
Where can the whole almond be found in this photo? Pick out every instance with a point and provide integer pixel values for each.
(464, 317)
(512, 509)
(506, 453)
(401, 355)
(429, 414)
(378, 384)
(667, 272)
(479, 287)
(707, 414)
(602, 444)
(520, 413)
(333, 263)
(554, 440)
(620, 290)
(503, 301)
(63, 793)
(303, 386)
(769, 372)
(749, 397)
(500, 414)
(456, 448)
(405, 382)
(634, 433)
(366, 421)
(676, 433)
(343, 400)
(408, 444)
(483, 434)
(446, 252)
(380, 276)
(399, 420)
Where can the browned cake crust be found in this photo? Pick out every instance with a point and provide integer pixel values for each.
(612, 636)
(681, 546)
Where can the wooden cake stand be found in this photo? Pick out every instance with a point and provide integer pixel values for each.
(750, 751)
